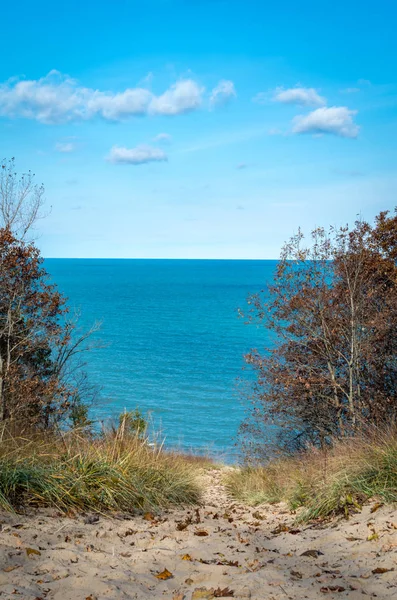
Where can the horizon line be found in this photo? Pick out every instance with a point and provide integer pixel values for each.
(145, 258)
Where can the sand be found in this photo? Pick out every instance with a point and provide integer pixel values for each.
(221, 549)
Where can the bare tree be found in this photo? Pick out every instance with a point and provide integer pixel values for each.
(21, 200)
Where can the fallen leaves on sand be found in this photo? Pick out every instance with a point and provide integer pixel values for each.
(381, 570)
(312, 553)
(223, 563)
(187, 557)
(257, 515)
(164, 575)
(282, 528)
(148, 516)
(332, 588)
(294, 531)
(223, 593)
(209, 594)
(296, 574)
(91, 519)
(373, 536)
(178, 596)
(376, 507)
(33, 551)
(201, 532)
(11, 568)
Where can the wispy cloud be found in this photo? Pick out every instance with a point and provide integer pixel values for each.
(241, 166)
(299, 95)
(335, 120)
(57, 98)
(162, 137)
(136, 156)
(65, 147)
(222, 93)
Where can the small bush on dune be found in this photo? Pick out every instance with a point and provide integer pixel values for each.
(325, 482)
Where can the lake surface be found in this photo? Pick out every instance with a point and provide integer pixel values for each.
(175, 342)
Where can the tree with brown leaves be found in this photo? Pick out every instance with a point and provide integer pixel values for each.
(332, 312)
(40, 378)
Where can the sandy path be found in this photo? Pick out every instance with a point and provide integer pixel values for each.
(221, 545)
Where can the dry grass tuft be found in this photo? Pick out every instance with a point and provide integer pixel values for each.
(325, 482)
(78, 472)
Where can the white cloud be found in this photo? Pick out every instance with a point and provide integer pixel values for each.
(65, 147)
(241, 166)
(57, 98)
(184, 96)
(222, 93)
(135, 156)
(299, 95)
(162, 137)
(336, 120)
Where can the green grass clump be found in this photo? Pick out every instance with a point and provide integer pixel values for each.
(325, 483)
(73, 472)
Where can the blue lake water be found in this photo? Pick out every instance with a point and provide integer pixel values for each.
(175, 342)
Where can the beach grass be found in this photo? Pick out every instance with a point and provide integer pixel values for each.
(325, 482)
(74, 471)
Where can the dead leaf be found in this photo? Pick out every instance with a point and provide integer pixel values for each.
(312, 553)
(280, 529)
(166, 574)
(148, 516)
(32, 551)
(189, 581)
(257, 515)
(201, 532)
(11, 568)
(376, 507)
(381, 570)
(373, 536)
(226, 592)
(296, 574)
(351, 538)
(332, 588)
(91, 519)
(186, 557)
(178, 596)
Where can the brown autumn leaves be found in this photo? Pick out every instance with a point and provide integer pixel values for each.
(332, 311)
(37, 337)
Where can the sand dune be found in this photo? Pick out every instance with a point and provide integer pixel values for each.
(221, 549)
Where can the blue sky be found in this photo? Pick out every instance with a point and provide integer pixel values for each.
(199, 128)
